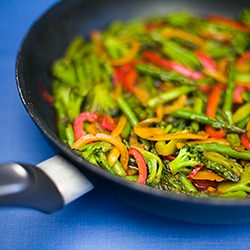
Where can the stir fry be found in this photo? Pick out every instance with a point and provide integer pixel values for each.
(163, 102)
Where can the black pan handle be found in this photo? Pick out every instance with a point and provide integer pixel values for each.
(47, 187)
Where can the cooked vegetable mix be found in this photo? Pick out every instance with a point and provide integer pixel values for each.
(162, 101)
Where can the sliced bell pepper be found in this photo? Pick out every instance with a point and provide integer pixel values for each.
(141, 163)
(245, 141)
(237, 95)
(79, 121)
(229, 23)
(115, 153)
(207, 62)
(126, 75)
(212, 104)
(143, 130)
(243, 62)
(85, 139)
(178, 33)
(129, 56)
(195, 171)
(171, 65)
(108, 123)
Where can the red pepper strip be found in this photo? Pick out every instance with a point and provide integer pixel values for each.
(177, 67)
(127, 75)
(212, 103)
(169, 157)
(204, 185)
(108, 123)
(141, 163)
(45, 94)
(207, 62)
(229, 23)
(237, 95)
(195, 171)
(79, 121)
(245, 141)
(244, 58)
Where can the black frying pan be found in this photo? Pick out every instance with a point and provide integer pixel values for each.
(45, 42)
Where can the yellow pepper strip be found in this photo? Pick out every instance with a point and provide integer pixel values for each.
(171, 33)
(159, 134)
(216, 75)
(142, 95)
(92, 129)
(115, 153)
(173, 136)
(164, 148)
(248, 129)
(208, 175)
(113, 156)
(160, 112)
(120, 126)
(130, 55)
(178, 104)
(108, 138)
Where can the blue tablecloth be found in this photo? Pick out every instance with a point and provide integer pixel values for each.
(93, 221)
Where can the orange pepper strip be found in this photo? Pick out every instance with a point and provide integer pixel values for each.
(218, 76)
(115, 153)
(135, 45)
(181, 135)
(113, 156)
(212, 104)
(171, 33)
(178, 104)
(159, 134)
(85, 139)
(120, 126)
(207, 175)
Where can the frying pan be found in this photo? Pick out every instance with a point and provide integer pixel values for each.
(45, 187)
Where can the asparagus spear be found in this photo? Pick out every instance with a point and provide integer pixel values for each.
(190, 115)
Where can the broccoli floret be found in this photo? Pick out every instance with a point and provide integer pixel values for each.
(187, 157)
(244, 17)
(99, 100)
(242, 185)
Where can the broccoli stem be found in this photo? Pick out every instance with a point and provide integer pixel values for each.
(190, 115)
(224, 149)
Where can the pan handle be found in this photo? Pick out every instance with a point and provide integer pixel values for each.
(47, 187)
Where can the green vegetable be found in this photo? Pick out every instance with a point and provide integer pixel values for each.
(127, 111)
(100, 101)
(169, 95)
(186, 158)
(164, 75)
(225, 167)
(224, 149)
(242, 185)
(155, 166)
(190, 115)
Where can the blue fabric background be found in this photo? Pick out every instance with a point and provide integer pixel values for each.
(93, 221)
